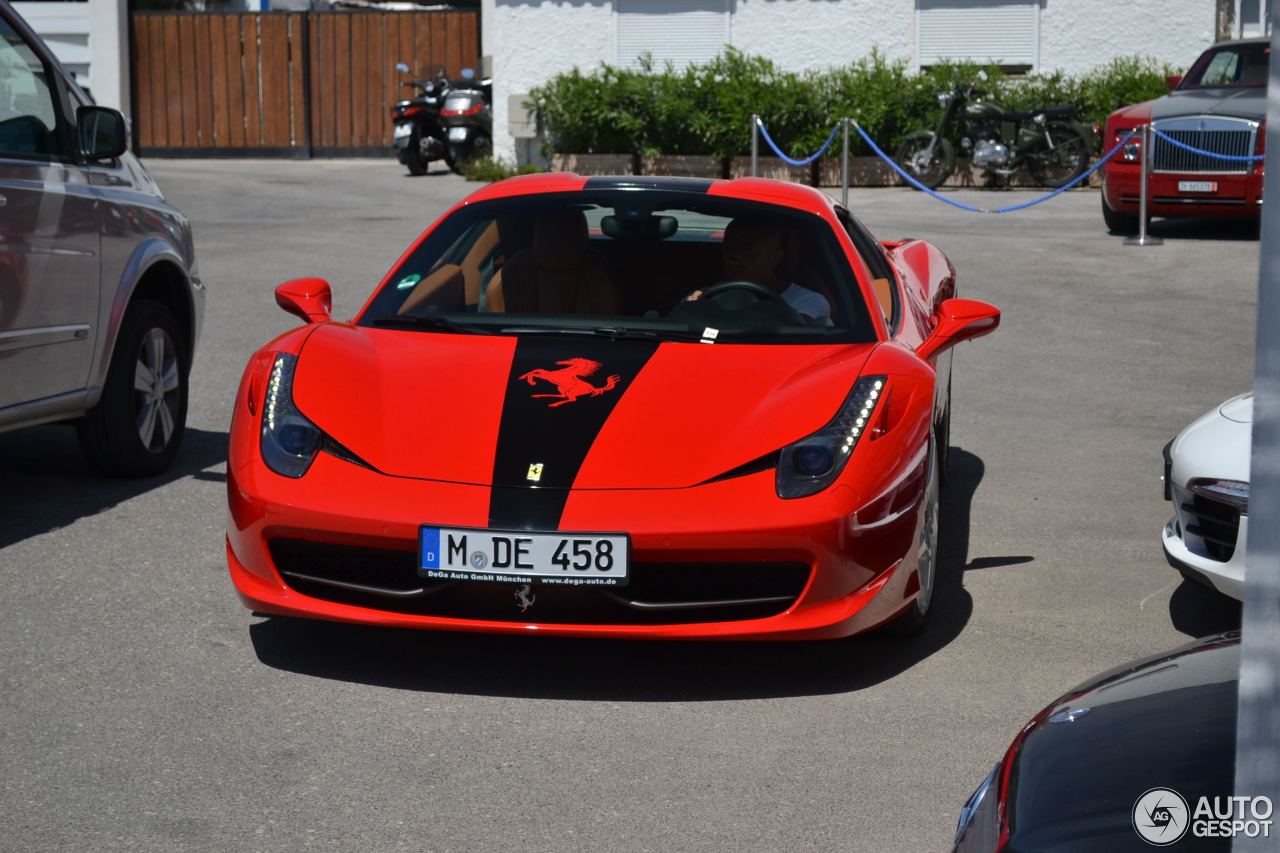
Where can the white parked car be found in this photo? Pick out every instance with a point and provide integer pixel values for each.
(1206, 476)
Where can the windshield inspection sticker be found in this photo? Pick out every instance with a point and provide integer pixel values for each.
(408, 281)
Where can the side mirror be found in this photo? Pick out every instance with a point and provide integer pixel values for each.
(1173, 81)
(101, 133)
(308, 298)
(959, 320)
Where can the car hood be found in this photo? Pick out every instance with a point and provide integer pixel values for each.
(558, 411)
(1216, 445)
(1250, 103)
(1166, 721)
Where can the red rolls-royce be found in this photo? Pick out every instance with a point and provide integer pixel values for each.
(1219, 106)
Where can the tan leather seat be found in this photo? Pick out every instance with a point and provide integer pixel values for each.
(558, 274)
(883, 289)
(443, 288)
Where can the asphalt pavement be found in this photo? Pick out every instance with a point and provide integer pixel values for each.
(142, 708)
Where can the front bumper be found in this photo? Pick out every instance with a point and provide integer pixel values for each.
(1186, 553)
(857, 556)
(1239, 195)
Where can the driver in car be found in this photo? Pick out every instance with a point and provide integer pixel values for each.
(755, 251)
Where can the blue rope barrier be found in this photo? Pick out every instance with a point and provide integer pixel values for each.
(1235, 158)
(806, 161)
(1007, 208)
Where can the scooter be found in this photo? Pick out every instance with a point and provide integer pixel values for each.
(467, 117)
(417, 134)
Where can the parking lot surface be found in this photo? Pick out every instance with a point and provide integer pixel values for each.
(141, 707)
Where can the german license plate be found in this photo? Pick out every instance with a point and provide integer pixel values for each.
(402, 131)
(1197, 186)
(469, 554)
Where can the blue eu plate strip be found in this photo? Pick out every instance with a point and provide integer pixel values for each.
(429, 548)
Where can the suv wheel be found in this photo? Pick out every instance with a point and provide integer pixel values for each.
(138, 423)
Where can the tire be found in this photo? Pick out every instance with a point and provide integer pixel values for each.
(460, 155)
(1118, 223)
(1058, 166)
(414, 158)
(940, 165)
(148, 374)
(944, 442)
(914, 619)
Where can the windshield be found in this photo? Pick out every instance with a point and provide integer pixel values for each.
(668, 265)
(1233, 65)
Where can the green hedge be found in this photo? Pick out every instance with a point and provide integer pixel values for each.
(706, 109)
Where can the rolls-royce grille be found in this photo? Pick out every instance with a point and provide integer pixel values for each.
(1167, 157)
(657, 594)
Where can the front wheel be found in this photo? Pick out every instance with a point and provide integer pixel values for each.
(137, 425)
(928, 162)
(915, 617)
(1117, 222)
(1064, 155)
(415, 156)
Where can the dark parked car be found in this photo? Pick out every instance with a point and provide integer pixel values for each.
(1090, 771)
(100, 303)
(1219, 106)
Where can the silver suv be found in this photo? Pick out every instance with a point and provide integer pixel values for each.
(100, 303)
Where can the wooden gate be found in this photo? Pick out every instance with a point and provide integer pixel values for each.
(292, 83)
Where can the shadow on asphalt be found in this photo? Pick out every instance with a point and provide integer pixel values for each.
(45, 483)
(1244, 230)
(663, 671)
(1198, 611)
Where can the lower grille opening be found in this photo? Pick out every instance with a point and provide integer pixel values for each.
(657, 594)
(1216, 524)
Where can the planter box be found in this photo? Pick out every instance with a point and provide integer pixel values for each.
(770, 167)
(683, 166)
(595, 164)
(863, 172)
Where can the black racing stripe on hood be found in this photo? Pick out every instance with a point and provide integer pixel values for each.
(560, 393)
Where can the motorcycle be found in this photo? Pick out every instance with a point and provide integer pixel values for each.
(468, 119)
(416, 130)
(1048, 142)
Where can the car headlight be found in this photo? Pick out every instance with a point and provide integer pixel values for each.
(811, 464)
(1233, 493)
(289, 441)
(971, 806)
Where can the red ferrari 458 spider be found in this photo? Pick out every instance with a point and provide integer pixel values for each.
(623, 407)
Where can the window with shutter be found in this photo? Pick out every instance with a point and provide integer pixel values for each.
(1006, 32)
(682, 31)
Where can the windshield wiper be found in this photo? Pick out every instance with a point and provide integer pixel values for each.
(613, 333)
(427, 321)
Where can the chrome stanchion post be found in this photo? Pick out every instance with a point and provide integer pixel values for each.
(1143, 239)
(844, 168)
(755, 144)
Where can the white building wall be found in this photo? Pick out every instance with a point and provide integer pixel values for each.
(1077, 35)
(532, 40)
(808, 34)
(91, 40)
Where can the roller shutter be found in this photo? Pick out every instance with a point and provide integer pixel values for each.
(682, 31)
(1003, 31)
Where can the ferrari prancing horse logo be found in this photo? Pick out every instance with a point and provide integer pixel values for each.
(535, 472)
(571, 381)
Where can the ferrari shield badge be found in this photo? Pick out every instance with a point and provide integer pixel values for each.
(570, 381)
(535, 472)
